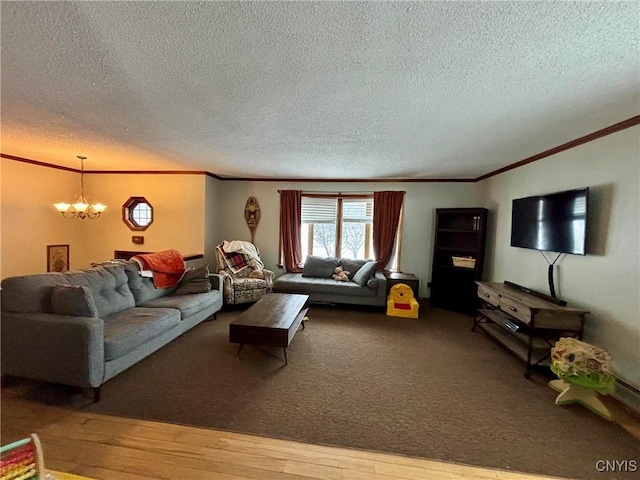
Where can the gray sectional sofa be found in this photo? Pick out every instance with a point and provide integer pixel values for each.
(83, 327)
(366, 286)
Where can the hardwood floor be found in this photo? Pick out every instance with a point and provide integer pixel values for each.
(107, 447)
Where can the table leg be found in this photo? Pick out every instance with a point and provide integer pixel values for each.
(286, 362)
(239, 350)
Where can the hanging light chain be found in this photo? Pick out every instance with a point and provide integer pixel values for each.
(82, 159)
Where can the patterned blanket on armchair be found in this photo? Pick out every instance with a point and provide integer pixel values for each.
(239, 255)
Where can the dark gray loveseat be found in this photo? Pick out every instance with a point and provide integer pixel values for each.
(83, 327)
(366, 286)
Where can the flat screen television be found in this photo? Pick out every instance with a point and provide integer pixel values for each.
(555, 222)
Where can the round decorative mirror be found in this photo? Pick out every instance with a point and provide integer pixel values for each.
(137, 213)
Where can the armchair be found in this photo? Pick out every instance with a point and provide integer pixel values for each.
(244, 277)
(401, 302)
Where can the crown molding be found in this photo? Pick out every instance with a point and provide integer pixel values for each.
(628, 123)
(354, 180)
(617, 127)
(40, 164)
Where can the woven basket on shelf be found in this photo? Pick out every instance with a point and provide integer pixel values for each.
(465, 262)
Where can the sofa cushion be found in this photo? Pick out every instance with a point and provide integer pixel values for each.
(296, 283)
(364, 273)
(32, 293)
(186, 304)
(143, 288)
(195, 280)
(351, 265)
(127, 330)
(109, 288)
(319, 267)
(73, 300)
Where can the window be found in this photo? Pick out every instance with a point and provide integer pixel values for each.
(357, 232)
(137, 213)
(337, 226)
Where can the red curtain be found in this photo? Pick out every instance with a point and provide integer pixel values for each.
(290, 221)
(386, 216)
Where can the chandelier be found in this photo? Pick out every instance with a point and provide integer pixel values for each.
(81, 208)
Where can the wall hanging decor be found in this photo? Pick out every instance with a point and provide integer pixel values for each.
(252, 215)
(57, 258)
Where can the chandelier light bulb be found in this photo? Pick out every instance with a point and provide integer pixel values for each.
(81, 206)
(62, 207)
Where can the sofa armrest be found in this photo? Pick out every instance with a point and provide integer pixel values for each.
(216, 281)
(381, 293)
(54, 348)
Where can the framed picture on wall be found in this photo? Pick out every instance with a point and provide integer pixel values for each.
(57, 258)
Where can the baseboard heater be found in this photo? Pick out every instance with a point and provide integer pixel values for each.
(627, 394)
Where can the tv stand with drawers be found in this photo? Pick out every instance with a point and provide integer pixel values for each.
(525, 324)
(535, 293)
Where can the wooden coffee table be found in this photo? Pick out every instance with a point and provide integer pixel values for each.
(270, 322)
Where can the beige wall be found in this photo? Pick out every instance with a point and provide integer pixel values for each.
(212, 221)
(29, 221)
(421, 200)
(606, 281)
(178, 214)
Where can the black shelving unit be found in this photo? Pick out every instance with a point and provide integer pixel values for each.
(460, 232)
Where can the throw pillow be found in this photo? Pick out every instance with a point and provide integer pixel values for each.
(351, 265)
(364, 273)
(195, 280)
(319, 267)
(73, 300)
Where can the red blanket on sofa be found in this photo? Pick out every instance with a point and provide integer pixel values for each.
(167, 267)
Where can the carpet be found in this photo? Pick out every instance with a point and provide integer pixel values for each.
(428, 388)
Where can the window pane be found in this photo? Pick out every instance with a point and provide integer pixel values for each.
(357, 216)
(324, 239)
(141, 214)
(353, 240)
(319, 227)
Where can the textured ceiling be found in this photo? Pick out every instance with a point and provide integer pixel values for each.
(337, 90)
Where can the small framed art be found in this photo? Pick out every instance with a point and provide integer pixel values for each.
(57, 258)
